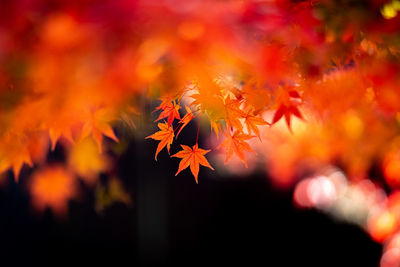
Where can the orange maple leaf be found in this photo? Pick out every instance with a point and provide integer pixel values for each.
(256, 97)
(56, 133)
(17, 150)
(52, 187)
(165, 101)
(208, 100)
(186, 119)
(252, 121)
(170, 110)
(233, 113)
(193, 158)
(15, 160)
(98, 125)
(236, 143)
(165, 136)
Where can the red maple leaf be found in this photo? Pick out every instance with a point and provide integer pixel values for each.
(288, 107)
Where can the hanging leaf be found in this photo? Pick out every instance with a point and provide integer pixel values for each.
(193, 157)
(165, 136)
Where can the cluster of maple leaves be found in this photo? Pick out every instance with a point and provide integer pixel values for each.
(232, 114)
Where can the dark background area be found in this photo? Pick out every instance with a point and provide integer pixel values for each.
(174, 221)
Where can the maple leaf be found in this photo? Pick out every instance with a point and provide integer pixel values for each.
(213, 107)
(209, 103)
(236, 143)
(85, 160)
(165, 101)
(288, 107)
(251, 123)
(233, 113)
(185, 120)
(170, 110)
(256, 97)
(98, 125)
(60, 126)
(208, 99)
(56, 133)
(286, 111)
(17, 150)
(15, 160)
(193, 158)
(165, 136)
(52, 187)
